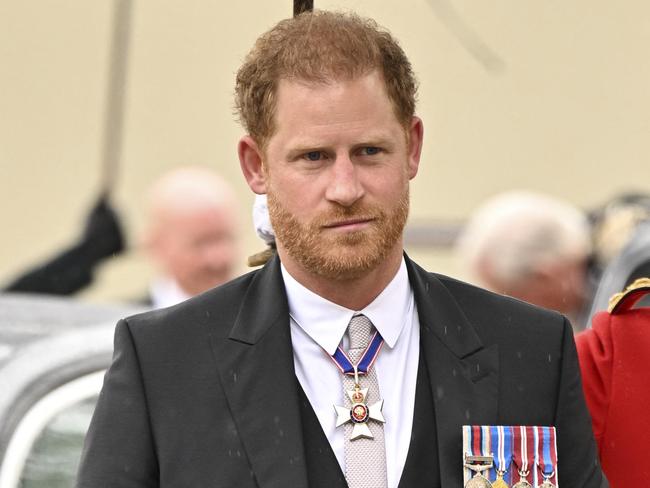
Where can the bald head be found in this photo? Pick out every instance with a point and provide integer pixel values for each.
(191, 233)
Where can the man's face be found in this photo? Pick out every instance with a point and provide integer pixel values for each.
(337, 174)
(198, 247)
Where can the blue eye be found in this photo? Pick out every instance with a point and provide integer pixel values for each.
(313, 155)
(371, 150)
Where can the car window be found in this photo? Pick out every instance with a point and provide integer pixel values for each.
(45, 448)
(54, 457)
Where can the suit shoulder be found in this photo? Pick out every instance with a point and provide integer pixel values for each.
(486, 309)
(461, 289)
(216, 306)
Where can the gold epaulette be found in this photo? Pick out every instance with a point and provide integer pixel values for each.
(624, 300)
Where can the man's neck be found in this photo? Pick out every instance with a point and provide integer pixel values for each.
(355, 293)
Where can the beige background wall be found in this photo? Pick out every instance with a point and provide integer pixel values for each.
(562, 106)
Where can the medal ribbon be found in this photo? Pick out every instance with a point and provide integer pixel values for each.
(479, 444)
(501, 439)
(366, 361)
(523, 449)
(486, 445)
(548, 458)
(479, 441)
(533, 433)
(475, 440)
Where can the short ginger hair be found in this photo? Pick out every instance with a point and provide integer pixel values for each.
(320, 47)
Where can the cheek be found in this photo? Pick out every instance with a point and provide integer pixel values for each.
(386, 186)
(184, 254)
(296, 194)
(220, 252)
(183, 262)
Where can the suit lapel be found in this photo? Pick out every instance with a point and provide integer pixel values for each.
(255, 365)
(463, 372)
(256, 370)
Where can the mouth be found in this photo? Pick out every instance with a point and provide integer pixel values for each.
(350, 224)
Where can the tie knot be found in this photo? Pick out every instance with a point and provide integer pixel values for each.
(359, 330)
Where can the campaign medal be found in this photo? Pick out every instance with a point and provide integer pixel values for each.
(478, 464)
(547, 458)
(502, 445)
(523, 482)
(521, 455)
(359, 413)
(477, 460)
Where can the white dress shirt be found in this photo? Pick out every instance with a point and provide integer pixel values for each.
(317, 328)
(165, 292)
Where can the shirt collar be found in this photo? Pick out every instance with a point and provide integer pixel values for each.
(165, 292)
(326, 322)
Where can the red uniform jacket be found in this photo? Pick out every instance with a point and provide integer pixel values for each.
(614, 356)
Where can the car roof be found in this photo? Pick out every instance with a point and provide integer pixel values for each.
(27, 318)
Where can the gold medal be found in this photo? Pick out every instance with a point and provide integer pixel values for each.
(502, 444)
(478, 464)
(499, 482)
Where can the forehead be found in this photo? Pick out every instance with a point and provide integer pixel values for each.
(333, 105)
(328, 88)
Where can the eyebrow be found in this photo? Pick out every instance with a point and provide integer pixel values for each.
(303, 147)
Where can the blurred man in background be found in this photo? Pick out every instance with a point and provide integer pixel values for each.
(191, 234)
(532, 247)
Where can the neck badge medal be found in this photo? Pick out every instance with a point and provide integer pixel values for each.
(360, 412)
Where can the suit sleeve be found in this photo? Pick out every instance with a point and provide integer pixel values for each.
(119, 450)
(578, 465)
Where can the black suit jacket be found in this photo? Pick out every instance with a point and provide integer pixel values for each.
(204, 394)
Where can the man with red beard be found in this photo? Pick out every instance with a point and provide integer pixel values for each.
(341, 362)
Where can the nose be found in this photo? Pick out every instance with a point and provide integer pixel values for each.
(344, 186)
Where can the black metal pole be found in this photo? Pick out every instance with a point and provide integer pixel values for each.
(300, 6)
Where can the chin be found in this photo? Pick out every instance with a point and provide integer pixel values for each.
(343, 266)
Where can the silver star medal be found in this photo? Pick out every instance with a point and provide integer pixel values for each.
(359, 413)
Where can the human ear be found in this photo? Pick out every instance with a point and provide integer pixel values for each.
(250, 161)
(415, 138)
